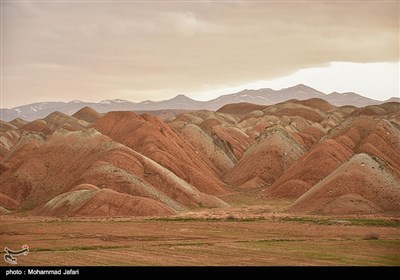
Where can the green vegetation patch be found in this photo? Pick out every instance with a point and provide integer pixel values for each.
(351, 221)
(375, 222)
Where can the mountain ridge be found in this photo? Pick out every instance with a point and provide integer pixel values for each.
(264, 96)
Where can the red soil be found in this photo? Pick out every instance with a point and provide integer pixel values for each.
(87, 114)
(318, 163)
(7, 202)
(369, 111)
(88, 187)
(154, 139)
(332, 160)
(317, 103)
(362, 185)
(371, 135)
(240, 108)
(5, 127)
(306, 113)
(18, 122)
(37, 126)
(238, 141)
(267, 159)
(209, 124)
(102, 203)
(66, 160)
(7, 141)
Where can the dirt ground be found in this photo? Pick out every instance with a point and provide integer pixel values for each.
(249, 235)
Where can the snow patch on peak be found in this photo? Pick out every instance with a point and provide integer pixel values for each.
(262, 97)
(119, 101)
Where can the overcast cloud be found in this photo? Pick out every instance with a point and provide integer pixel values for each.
(155, 50)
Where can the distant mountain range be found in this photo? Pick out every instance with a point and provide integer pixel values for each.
(265, 96)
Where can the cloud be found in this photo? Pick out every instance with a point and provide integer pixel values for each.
(154, 50)
(188, 24)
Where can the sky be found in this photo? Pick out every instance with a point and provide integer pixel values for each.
(141, 50)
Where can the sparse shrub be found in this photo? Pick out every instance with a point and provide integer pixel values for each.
(371, 236)
(231, 217)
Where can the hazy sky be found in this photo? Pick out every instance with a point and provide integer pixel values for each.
(139, 50)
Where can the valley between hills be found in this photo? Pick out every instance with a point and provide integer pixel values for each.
(301, 182)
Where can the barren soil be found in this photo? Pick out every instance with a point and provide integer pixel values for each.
(245, 235)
